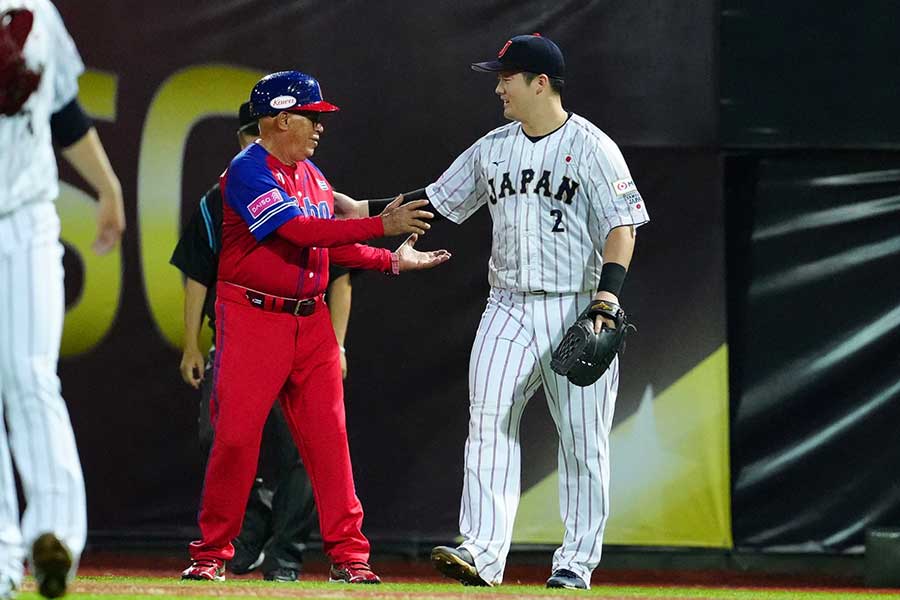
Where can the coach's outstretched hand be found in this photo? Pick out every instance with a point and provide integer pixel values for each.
(399, 218)
(413, 260)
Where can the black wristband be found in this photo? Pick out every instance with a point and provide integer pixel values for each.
(69, 124)
(612, 278)
(376, 207)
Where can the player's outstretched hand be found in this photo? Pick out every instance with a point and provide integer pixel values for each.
(413, 260)
(192, 367)
(110, 221)
(399, 218)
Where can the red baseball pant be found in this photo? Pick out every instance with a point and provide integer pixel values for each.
(261, 356)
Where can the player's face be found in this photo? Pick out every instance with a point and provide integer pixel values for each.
(305, 130)
(515, 94)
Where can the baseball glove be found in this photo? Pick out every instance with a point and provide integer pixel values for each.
(583, 356)
(17, 81)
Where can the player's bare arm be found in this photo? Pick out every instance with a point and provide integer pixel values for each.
(89, 159)
(346, 207)
(617, 250)
(191, 366)
(340, 294)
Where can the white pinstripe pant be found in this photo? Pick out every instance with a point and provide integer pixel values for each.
(37, 429)
(510, 359)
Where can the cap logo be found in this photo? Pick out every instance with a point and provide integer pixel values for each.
(282, 102)
(504, 48)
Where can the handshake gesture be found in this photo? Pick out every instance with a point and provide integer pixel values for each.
(399, 218)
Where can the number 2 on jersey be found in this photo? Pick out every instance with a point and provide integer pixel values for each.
(557, 225)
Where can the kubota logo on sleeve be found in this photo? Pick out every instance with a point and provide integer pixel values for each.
(282, 102)
(261, 203)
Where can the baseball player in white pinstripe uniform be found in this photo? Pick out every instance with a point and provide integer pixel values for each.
(39, 69)
(564, 210)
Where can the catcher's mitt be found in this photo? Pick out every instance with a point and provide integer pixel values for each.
(17, 81)
(582, 355)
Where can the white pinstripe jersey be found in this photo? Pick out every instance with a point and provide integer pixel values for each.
(553, 202)
(27, 163)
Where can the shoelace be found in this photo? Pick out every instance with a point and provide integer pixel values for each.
(204, 563)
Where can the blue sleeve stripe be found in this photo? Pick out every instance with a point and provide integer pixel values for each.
(207, 220)
(272, 213)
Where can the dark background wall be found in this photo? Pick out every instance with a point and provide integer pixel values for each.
(812, 176)
(410, 103)
(716, 106)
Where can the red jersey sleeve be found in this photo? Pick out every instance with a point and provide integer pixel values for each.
(312, 231)
(358, 256)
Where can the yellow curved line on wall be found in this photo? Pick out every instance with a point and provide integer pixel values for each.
(670, 470)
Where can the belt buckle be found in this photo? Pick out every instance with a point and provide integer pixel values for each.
(302, 305)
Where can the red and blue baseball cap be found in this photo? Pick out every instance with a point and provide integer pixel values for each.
(532, 53)
(290, 91)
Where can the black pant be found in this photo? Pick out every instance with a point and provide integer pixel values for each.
(281, 510)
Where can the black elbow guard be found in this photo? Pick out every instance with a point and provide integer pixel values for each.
(69, 124)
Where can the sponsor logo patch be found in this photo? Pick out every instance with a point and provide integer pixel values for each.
(623, 186)
(633, 198)
(261, 203)
(282, 102)
(322, 184)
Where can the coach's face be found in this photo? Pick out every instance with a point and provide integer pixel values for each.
(304, 131)
(515, 94)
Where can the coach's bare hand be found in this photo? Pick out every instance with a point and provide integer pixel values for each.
(399, 218)
(192, 367)
(110, 221)
(413, 260)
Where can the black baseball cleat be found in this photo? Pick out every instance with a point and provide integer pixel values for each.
(51, 562)
(458, 564)
(282, 575)
(566, 579)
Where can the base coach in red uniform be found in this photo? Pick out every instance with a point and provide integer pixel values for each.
(274, 337)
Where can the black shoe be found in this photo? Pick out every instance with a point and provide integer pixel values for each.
(566, 579)
(50, 563)
(246, 558)
(458, 564)
(282, 574)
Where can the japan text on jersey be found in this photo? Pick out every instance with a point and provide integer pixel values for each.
(553, 201)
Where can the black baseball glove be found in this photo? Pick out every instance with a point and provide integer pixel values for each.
(583, 356)
(17, 81)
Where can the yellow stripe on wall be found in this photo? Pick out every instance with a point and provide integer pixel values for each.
(670, 470)
(97, 93)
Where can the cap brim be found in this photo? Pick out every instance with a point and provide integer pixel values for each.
(491, 66)
(320, 106)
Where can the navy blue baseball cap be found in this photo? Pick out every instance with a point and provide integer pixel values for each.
(290, 91)
(532, 53)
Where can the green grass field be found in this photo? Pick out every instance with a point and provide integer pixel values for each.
(141, 588)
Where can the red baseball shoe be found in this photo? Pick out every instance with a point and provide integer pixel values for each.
(207, 569)
(354, 571)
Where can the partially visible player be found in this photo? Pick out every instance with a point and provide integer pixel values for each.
(564, 210)
(39, 69)
(274, 337)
